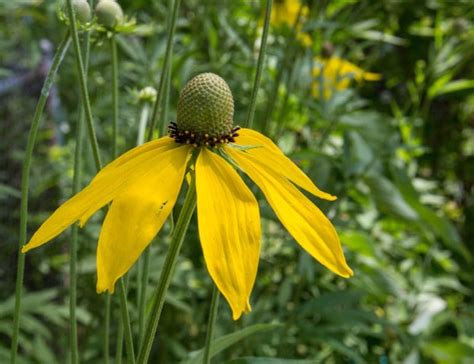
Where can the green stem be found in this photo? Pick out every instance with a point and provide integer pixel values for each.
(210, 325)
(115, 94)
(75, 229)
(167, 271)
(118, 354)
(260, 62)
(25, 186)
(168, 52)
(166, 100)
(107, 329)
(126, 321)
(143, 122)
(142, 298)
(83, 86)
(282, 67)
(94, 145)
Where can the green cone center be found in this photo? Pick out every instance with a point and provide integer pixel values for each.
(205, 111)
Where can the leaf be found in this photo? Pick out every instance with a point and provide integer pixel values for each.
(440, 226)
(6, 191)
(389, 199)
(227, 341)
(380, 37)
(449, 351)
(450, 87)
(359, 242)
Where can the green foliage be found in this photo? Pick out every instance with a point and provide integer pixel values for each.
(398, 153)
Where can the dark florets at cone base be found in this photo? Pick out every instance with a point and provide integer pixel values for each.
(205, 111)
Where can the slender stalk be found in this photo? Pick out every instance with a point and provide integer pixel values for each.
(107, 329)
(210, 325)
(126, 321)
(142, 298)
(83, 86)
(166, 99)
(283, 65)
(143, 122)
(168, 52)
(119, 349)
(75, 229)
(260, 62)
(167, 271)
(25, 186)
(94, 145)
(115, 94)
(165, 79)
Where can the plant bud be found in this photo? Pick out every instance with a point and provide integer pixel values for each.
(82, 10)
(109, 13)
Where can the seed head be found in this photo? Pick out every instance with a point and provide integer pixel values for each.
(205, 108)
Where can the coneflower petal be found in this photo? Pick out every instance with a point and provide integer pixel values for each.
(137, 214)
(267, 151)
(102, 189)
(303, 220)
(229, 229)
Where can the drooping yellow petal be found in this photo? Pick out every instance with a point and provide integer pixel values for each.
(303, 220)
(274, 157)
(102, 189)
(137, 214)
(229, 229)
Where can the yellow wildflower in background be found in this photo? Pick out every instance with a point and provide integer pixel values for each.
(285, 13)
(143, 186)
(336, 74)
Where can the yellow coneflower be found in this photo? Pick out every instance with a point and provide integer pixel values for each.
(335, 74)
(143, 185)
(285, 12)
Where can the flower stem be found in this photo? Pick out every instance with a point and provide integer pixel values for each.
(76, 184)
(260, 62)
(83, 86)
(126, 321)
(282, 67)
(167, 271)
(210, 325)
(115, 94)
(142, 277)
(25, 186)
(96, 154)
(142, 298)
(166, 64)
(107, 329)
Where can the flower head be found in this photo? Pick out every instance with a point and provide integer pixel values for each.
(285, 13)
(143, 185)
(335, 74)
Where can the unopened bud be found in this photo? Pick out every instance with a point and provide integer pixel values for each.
(109, 13)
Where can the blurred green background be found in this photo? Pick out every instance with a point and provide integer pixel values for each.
(397, 151)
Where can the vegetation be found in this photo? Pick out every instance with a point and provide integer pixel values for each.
(373, 100)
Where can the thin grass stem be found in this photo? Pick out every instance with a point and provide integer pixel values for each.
(25, 186)
(260, 63)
